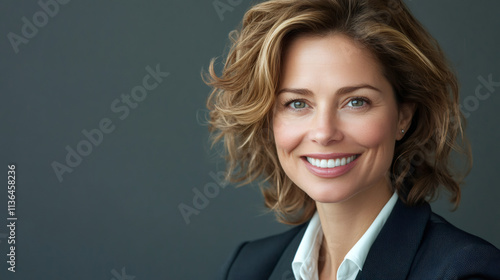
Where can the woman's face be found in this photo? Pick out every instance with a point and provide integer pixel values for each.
(336, 119)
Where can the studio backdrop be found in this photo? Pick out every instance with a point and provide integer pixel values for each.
(103, 132)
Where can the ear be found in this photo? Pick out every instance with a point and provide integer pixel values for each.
(406, 112)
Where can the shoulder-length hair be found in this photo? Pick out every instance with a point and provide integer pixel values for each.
(241, 102)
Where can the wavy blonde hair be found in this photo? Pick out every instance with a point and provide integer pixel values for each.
(241, 102)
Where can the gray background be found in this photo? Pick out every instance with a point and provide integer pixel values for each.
(116, 215)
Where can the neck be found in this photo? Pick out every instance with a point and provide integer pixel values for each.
(344, 223)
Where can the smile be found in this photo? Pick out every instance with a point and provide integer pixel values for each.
(331, 163)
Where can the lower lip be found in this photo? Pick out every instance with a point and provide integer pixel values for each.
(330, 172)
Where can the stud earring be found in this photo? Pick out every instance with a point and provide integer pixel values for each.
(403, 131)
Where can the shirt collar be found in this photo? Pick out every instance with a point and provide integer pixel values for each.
(306, 259)
(305, 263)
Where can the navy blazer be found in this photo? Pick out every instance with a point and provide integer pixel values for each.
(414, 243)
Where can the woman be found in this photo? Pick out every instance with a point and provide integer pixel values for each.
(347, 111)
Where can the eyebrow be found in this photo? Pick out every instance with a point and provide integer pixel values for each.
(341, 91)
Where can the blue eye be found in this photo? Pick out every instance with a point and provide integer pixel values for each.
(356, 102)
(297, 104)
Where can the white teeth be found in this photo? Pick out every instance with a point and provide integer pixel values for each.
(330, 163)
(310, 160)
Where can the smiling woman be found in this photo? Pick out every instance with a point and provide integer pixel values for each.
(328, 102)
(332, 108)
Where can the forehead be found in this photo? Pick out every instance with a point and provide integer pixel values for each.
(328, 56)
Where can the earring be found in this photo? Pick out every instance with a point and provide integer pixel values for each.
(403, 131)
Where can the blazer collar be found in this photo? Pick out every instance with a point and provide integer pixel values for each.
(391, 254)
(283, 269)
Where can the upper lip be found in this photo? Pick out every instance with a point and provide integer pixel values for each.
(330, 155)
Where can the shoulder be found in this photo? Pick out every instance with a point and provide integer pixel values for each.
(453, 253)
(416, 243)
(454, 241)
(257, 259)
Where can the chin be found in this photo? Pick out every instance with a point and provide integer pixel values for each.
(330, 195)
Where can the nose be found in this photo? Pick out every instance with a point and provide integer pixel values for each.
(326, 128)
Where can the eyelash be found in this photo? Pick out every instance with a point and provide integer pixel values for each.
(288, 102)
(364, 99)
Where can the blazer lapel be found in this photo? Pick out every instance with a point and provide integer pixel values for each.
(392, 253)
(283, 269)
(390, 256)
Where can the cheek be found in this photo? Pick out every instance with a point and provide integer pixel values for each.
(375, 131)
(287, 136)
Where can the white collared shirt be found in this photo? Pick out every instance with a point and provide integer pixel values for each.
(305, 263)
